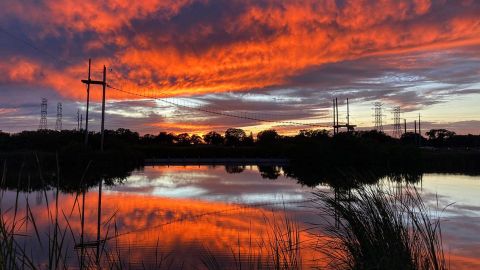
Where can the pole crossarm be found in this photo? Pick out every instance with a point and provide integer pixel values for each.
(103, 83)
(93, 82)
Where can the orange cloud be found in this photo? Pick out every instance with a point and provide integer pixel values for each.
(175, 48)
(265, 43)
(305, 35)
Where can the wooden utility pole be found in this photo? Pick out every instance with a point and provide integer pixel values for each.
(104, 84)
(405, 126)
(103, 105)
(88, 102)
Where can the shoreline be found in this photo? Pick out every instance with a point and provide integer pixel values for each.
(216, 161)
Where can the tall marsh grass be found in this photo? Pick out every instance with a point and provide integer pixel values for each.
(280, 248)
(376, 228)
(19, 231)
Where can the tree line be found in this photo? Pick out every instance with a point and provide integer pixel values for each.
(234, 137)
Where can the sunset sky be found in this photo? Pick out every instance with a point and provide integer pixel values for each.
(266, 59)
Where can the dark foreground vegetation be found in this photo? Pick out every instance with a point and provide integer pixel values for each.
(312, 153)
(376, 228)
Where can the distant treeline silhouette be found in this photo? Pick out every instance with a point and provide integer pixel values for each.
(441, 151)
(48, 140)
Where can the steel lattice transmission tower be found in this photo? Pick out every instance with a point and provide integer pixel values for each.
(378, 114)
(58, 124)
(43, 115)
(397, 128)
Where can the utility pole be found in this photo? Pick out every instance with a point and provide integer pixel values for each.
(99, 217)
(405, 125)
(104, 84)
(88, 102)
(415, 123)
(103, 106)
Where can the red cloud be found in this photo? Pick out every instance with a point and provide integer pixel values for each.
(256, 44)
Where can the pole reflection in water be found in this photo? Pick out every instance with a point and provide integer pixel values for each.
(99, 211)
(184, 213)
(82, 226)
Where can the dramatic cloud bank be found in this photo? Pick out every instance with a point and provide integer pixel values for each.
(281, 60)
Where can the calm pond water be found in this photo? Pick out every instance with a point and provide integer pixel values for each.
(183, 216)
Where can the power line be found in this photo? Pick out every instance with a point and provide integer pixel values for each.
(120, 77)
(216, 112)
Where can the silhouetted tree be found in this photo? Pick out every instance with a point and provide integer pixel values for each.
(410, 138)
(374, 135)
(268, 136)
(248, 141)
(234, 168)
(4, 137)
(439, 137)
(313, 133)
(235, 136)
(165, 138)
(183, 139)
(214, 138)
(126, 135)
(439, 134)
(269, 172)
(195, 139)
